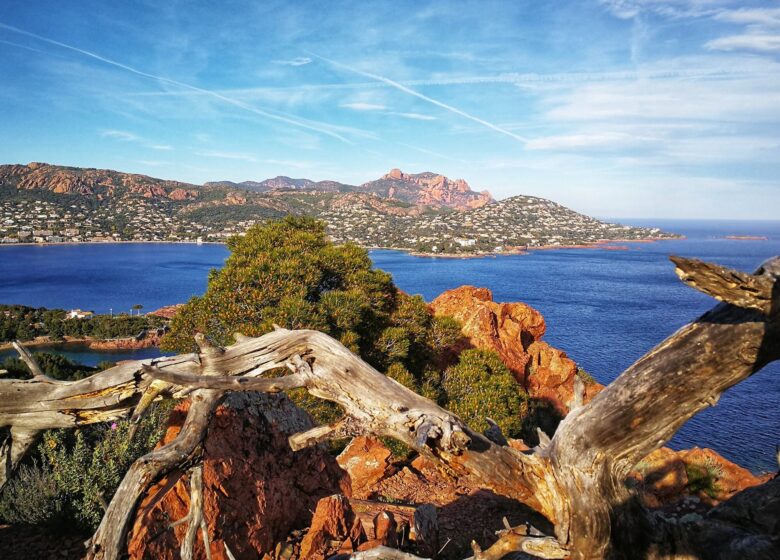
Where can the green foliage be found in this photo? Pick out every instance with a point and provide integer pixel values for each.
(31, 497)
(19, 322)
(480, 385)
(703, 477)
(74, 474)
(585, 376)
(53, 365)
(288, 273)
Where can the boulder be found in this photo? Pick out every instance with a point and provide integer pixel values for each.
(334, 528)
(367, 461)
(255, 489)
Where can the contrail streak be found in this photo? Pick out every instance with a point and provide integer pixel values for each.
(414, 93)
(164, 80)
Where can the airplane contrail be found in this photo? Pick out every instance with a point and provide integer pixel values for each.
(177, 83)
(410, 91)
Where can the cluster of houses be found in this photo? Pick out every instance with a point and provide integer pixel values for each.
(41, 221)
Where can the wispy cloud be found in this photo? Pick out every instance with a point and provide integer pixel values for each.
(399, 86)
(415, 116)
(125, 136)
(364, 106)
(761, 33)
(747, 16)
(746, 42)
(375, 107)
(120, 135)
(228, 155)
(162, 79)
(297, 61)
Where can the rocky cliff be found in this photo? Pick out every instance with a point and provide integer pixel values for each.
(514, 331)
(428, 189)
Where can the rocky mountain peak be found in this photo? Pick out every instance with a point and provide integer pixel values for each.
(427, 188)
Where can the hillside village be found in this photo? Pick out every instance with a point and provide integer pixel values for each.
(426, 213)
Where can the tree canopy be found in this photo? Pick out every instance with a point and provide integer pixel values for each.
(289, 273)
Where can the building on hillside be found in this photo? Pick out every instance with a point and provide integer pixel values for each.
(79, 314)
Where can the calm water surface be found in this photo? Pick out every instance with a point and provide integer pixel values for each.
(605, 308)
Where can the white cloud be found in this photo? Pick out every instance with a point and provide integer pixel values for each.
(162, 147)
(748, 42)
(297, 61)
(364, 106)
(595, 141)
(747, 16)
(120, 135)
(415, 116)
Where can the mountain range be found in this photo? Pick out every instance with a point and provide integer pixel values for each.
(424, 212)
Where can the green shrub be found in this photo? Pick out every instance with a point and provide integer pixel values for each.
(31, 497)
(480, 385)
(78, 472)
(53, 365)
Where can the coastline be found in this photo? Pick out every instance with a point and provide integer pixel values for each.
(604, 244)
(124, 343)
(119, 242)
(601, 244)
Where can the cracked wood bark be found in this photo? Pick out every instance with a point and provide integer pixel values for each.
(575, 481)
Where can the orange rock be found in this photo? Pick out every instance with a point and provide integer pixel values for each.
(167, 312)
(513, 331)
(367, 461)
(333, 520)
(666, 475)
(255, 489)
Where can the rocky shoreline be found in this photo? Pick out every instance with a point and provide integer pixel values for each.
(125, 343)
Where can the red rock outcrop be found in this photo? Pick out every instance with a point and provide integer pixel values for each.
(333, 522)
(514, 330)
(367, 461)
(167, 312)
(255, 489)
(428, 189)
(665, 476)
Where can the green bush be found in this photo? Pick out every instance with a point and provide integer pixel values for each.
(480, 386)
(31, 497)
(73, 474)
(289, 273)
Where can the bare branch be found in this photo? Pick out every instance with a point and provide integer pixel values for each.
(724, 284)
(261, 384)
(31, 363)
(541, 547)
(195, 515)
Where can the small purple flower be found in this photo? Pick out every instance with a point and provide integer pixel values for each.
(113, 426)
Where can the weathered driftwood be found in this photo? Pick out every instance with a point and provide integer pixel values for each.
(576, 480)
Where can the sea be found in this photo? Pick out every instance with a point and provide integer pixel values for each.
(604, 307)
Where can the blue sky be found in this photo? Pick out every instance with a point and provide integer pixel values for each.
(623, 108)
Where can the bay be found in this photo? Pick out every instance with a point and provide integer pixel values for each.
(604, 307)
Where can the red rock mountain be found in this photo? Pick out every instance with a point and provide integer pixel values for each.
(85, 181)
(428, 189)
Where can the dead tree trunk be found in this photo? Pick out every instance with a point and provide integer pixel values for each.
(576, 480)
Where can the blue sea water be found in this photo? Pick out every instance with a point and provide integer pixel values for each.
(605, 308)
